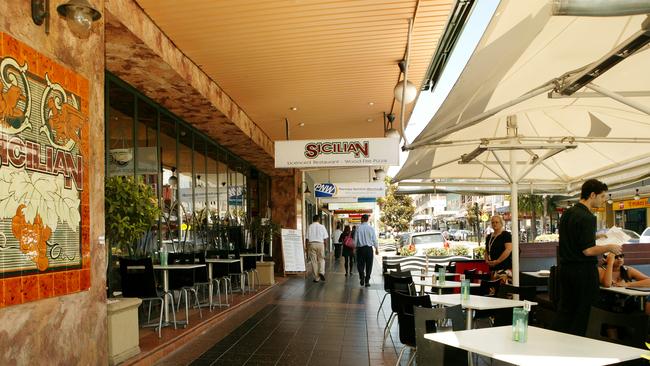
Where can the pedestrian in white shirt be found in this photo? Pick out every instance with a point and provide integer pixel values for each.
(336, 240)
(316, 236)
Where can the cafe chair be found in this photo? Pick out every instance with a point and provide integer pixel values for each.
(406, 321)
(431, 321)
(235, 270)
(473, 276)
(220, 272)
(202, 279)
(629, 329)
(387, 282)
(184, 281)
(138, 280)
(399, 282)
(250, 269)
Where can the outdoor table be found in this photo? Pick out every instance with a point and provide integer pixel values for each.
(432, 274)
(476, 303)
(538, 274)
(165, 271)
(223, 261)
(436, 284)
(629, 291)
(544, 347)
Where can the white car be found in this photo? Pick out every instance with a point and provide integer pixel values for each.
(645, 236)
(427, 240)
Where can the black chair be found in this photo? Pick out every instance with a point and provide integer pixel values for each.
(473, 276)
(399, 282)
(220, 272)
(486, 288)
(430, 321)
(184, 281)
(395, 268)
(202, 279)
(236, 271)
(631, 329)
(250, 269)
(138, 280)
(406, 320)
(505, 291)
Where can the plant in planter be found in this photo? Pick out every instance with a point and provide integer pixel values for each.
(460, 250)
(437, 252)
(263, 231)
(131, 208)
(479, 252)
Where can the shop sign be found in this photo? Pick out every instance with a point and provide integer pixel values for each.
(44, 180)
(341, 200)
(631, 204)
(351, 206)
(336, 152)
(361, 189)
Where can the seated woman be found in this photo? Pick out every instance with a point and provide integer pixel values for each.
(498, 251)
(614, 274)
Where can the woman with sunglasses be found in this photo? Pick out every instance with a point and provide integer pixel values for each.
(614, 274)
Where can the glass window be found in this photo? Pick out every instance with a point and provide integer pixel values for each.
(185, 185)
(222, 169)
(121, 115)
(200, 212)
(169, 195)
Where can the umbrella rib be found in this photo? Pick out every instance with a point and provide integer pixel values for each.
(619, 98)
(509, 180)
(429, 169)
(494, 171)
(540, 161)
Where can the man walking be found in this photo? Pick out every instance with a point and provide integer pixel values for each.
(578, 259)
(316, 236)
(364, 240)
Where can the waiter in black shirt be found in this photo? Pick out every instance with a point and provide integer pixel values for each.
(578, 259)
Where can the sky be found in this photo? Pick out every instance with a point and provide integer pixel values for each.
(428, 102)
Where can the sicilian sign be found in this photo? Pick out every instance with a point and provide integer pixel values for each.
(361, 189)
(336, 152)
(44, 193)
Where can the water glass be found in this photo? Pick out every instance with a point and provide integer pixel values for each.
(464, 291)
(163, 257)
(519, 325)
(441, 276)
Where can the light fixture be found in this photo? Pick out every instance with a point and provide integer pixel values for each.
(306, 192)
(380, 174)
(410, 93)
(369, 120)
(293, 108)
(610, 201)
(301, 124)
(41, 13)
(173, 181)
(80, 16)
(636, 196)
(389, 131)
(371, 103)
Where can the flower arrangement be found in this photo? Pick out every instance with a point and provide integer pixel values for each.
(459, 249)
(437, 252)
(408, 250)
(479, 252)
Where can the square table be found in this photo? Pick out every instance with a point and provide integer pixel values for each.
(476, 303)
(210, 262)
(440, 287)
(165, 271)
(629, 291)
(539, 274)
(544, 347)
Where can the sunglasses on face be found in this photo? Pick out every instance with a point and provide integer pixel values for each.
(620, 256)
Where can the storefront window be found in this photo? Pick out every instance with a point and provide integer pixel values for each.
(198, 226)
(121, 115)
(169, 194)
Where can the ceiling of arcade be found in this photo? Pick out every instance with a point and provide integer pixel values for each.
(235, 69)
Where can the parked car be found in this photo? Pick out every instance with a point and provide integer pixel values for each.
(645, 236)
(451, 233)
(462, 235)
(423, 241)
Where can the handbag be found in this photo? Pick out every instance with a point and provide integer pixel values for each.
(349, 242)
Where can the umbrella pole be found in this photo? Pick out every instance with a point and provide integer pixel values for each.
(514, 214)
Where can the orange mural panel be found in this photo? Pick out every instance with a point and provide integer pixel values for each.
(44, 193)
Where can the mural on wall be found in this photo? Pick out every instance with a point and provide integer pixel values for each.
(44, 215)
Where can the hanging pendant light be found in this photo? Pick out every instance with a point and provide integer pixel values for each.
(636, 196)
(609, 201)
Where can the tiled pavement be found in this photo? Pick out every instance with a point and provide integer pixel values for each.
(330, 323)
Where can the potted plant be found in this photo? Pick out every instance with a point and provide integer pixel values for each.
(263, 231)
(131, 208)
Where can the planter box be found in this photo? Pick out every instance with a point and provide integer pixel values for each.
(123, 333)
(265, 270)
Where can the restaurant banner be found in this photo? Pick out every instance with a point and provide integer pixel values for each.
(352, 190)
(631, 204)
(44, 192)
(336, 152)
(352, 206)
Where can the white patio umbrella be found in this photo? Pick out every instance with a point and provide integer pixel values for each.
(544, 103)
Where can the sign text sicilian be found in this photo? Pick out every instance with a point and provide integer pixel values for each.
(336, 152)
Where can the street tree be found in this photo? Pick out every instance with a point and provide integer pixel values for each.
(396, 210)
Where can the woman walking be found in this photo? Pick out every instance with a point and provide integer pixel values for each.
(348, 251)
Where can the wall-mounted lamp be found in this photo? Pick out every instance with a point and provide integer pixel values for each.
(173, 181)
(610, 201)
(306, 192)
(79, 15)
(389, 131)
(380, 174)
(636, 195)
(40, 13)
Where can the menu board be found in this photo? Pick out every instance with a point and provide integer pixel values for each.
(292, 250)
